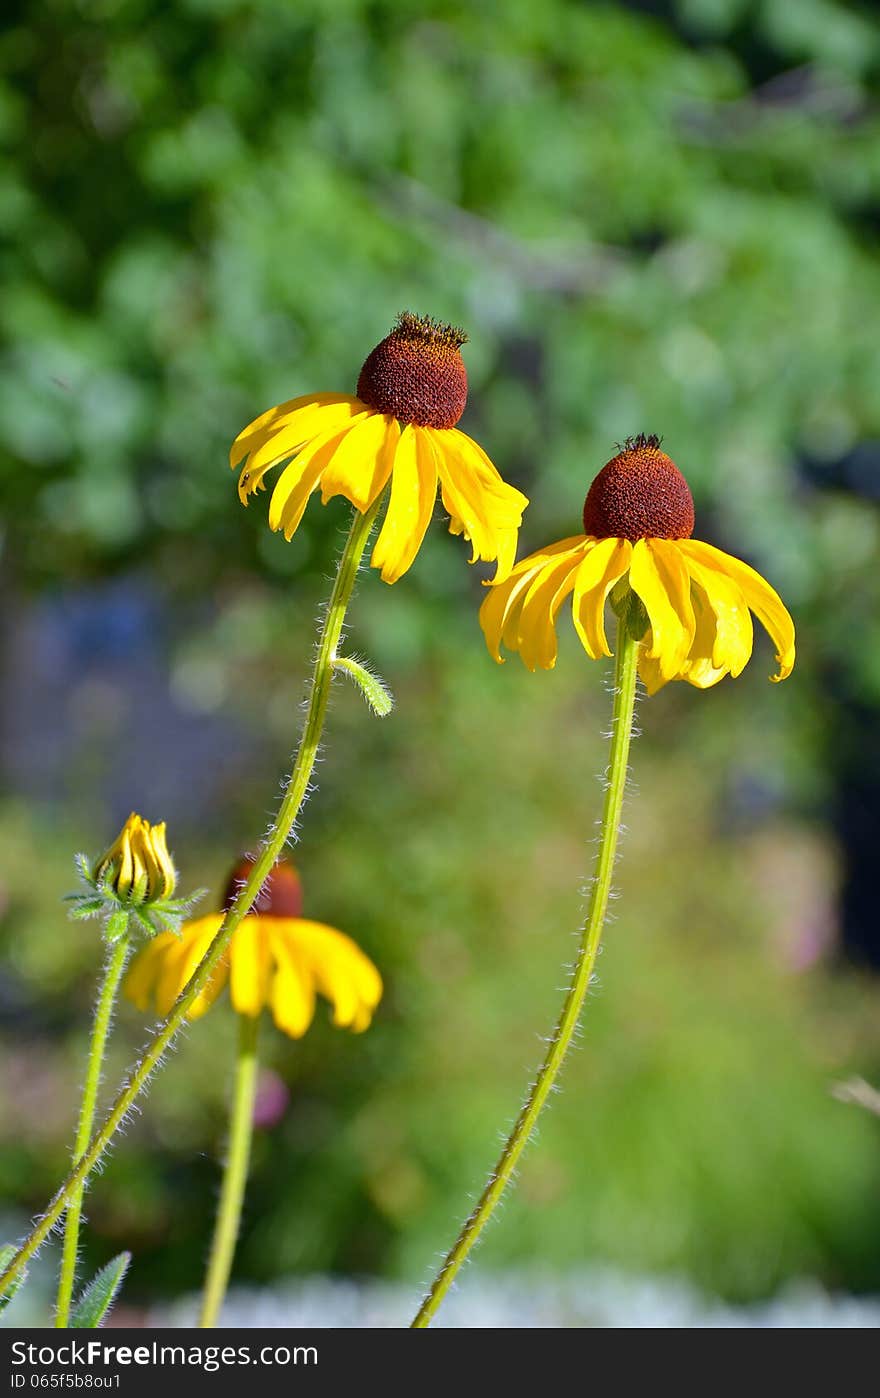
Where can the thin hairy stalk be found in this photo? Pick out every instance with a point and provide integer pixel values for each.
(241, 1130)
(295, 793)
(114, 967)
(621, 733)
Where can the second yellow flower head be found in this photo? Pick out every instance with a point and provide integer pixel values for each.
(697, 600)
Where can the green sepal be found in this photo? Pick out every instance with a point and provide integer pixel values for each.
(84, 868)
(637, 619)
(96, 1299)
(7, 1252)
(371, 685)
(85, 907)
(116, 925)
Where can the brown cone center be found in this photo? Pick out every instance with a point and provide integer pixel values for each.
(280, 896)
(639, 494)
(416, 373)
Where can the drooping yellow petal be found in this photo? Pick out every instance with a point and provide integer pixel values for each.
(299, 479)
(341, 971)
(480, 502)
(724, 635)
(411, 504)
(195, 938)
(760, 596)
(362, 462)
(163, 968)
(604, 563)
(500, 612)
(658, 576)
(293, 988)
(170, 967)
(536, 633)
(481, 505)
(297, 416)
(250, 966)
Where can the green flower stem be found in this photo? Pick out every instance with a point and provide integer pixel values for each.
(114, 967)
(297, 788)
(241, 1130)
(621, 734)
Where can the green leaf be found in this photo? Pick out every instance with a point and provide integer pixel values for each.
(7, 1252)
(374, 689)
(97, 1298)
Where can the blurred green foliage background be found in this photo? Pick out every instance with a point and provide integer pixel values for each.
(650, 217)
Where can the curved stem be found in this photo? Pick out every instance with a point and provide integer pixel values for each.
(114, 967)
(621, 733)
(297, 787)
(241, 1129)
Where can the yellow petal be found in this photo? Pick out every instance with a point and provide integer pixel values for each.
(760, 596)
(299, 479)
(536, 634)
(650, 673)
(361, 464)
(513, 502)
(413, 492)
(171, 971)
(480, 504)
(161, 875)
(724, 636)
(250, 967)
(500, 612)
(293, 988)
(306, 425)
(658, 575)
(341, 971)
(296, 414)
(604, 563)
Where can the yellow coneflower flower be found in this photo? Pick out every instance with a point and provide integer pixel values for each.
(137, 866)
(638, 521)
(276, 959)
(401, 427)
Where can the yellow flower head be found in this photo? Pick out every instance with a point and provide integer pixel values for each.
(137, 866)
(401, 427)
(638, 521)
(275, 959)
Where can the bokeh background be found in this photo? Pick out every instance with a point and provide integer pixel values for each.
(654, 217)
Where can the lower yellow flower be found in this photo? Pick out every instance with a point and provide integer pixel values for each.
(401, 427)
(697, 600)
(277, 962)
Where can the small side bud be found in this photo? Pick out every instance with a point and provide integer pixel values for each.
(131, 886)
(137, 867)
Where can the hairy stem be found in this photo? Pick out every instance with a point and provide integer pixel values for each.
(241, 1128)
(114, 967)
(621, 733)
(295, 793)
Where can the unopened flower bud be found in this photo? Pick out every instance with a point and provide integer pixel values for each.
(137, 867)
